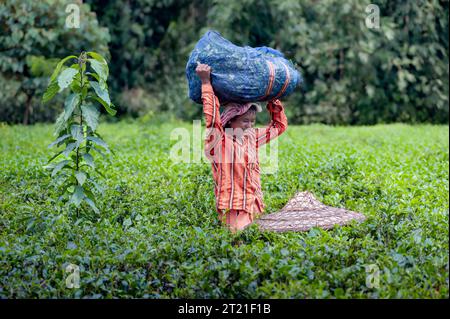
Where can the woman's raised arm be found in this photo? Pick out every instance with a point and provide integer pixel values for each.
(277, 125)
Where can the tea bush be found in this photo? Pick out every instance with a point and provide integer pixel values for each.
(157, 235)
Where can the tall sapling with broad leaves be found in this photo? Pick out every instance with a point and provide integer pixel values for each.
(76, 128)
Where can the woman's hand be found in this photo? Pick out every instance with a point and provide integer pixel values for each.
(204, 72)
(274, 106)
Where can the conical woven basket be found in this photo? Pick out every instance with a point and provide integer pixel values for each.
(303, 212)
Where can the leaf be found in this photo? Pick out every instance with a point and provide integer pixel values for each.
(106, 106)
(339, 293)
(76, 66)
(97, 57)
(70, 147)
(92, 204)
(68, 186)
(54, 156)
(77, 133)
(59, 167)
(98, 141)
(59, 140)
(59, 66)
(100, 68)
(81, 177)
(100, 173)
(71, 245)
(101, 93)
(77, 196)
(60, 124)
(66, 78)
(75, 85)
(69, 105)
(95, 75)
(100, 152)
(98, 134)
(127, 222)
(101, 82)
(91, 115)
(389, 33)
(51, 91)
(89, 160)
(89, 194)
(99, 188)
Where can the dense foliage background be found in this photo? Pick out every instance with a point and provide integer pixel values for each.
(32, 40)
(353, 74)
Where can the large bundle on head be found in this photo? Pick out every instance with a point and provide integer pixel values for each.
(241, 74)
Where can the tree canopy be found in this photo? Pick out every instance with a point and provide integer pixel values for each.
(353, 74)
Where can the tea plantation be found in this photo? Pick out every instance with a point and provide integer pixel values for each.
(157, 235)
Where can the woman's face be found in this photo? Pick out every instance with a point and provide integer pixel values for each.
(244, 121)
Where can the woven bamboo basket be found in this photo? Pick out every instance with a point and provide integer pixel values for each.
(303, 212)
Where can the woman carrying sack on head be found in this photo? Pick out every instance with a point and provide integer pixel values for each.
(231, 144)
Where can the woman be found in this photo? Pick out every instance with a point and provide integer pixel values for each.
(231, 144)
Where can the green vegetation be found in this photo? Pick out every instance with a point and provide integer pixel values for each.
(33, 38)
(76, 126)
(157, 234)
(353, 74)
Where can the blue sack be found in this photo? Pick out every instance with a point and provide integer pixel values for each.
(241, 74)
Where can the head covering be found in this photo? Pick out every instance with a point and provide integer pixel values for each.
(235, 109)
